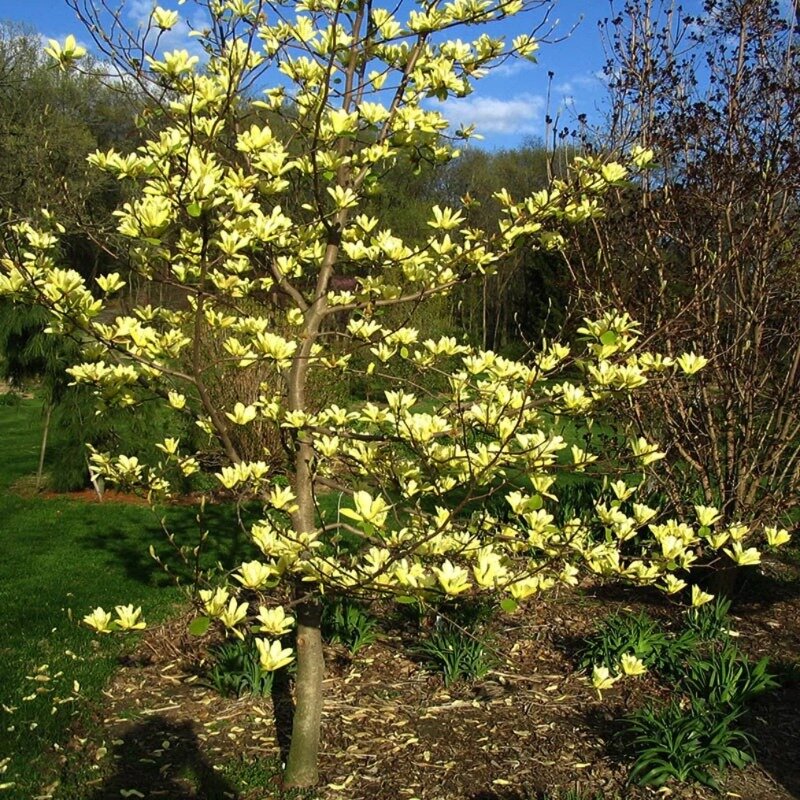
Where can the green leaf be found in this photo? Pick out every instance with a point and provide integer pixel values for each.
(194, 210)
(406, 599)
(536, 502)
(509, 605)
(199, 625)
(608, 338)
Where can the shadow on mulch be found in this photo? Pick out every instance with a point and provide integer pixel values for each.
(161, 758)
(758, 589)
(283, 712)
(773, 724)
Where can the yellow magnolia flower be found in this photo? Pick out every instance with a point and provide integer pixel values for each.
(744, 558)
(214, 600)
(176, 62)
(613, 172)
(368, 509)
(648, 453)
(176, 400)
(691, 362)
(452, 579)
(716, 540)
(445, 219)
(641, 156)
(673, 585)
(621, 489)
(631, 665)
(343, 197)
(273, 655)
(707, 515)
(67, 53)
(231, 476)
(488, 569)
(525, 587)
(110, 283)
(737, 532)
(410, 573)
(672, 547)
(699, 597)
(775, 537)
(274, 621)
(580, 458)
(129, 619)
(569, 575)
(164, 19)
(253, 574)
(602, 678)
(169, 446)
(282, 498)
(242, 414)
(99, 620)
(233, 614)
(643, 514)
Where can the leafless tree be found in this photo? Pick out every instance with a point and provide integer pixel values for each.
(703, 249)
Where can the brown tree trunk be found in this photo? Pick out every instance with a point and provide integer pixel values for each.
(301, 765)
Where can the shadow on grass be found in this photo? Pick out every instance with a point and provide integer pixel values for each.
(160, 758)
(128, 543)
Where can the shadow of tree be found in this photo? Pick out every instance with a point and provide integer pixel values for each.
(773, 724)
(283, 711)
(759, 588)
(161, 758)
(127, 544)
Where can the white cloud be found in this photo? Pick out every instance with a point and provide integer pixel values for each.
(513, 66)
(522, 114)
(579, 83)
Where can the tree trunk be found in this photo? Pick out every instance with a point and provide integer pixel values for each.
(43, 448)
(301, 765)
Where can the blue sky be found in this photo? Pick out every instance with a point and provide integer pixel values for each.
(507, 107)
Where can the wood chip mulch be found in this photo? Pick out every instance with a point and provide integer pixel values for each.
(391, 731)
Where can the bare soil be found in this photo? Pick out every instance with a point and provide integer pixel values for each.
(392, 731)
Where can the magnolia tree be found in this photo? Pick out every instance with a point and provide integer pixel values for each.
(247, 206)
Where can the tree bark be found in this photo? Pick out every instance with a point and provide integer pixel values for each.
(43, 448)
(301, 765)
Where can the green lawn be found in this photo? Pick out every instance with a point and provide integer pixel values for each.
(60, 558)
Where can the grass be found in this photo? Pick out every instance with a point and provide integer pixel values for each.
(60, 558)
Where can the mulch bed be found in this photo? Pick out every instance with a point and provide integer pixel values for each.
(391, 731)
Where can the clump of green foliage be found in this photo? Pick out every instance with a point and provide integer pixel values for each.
(684, 744)
(236, 672)
(348, 623)
(621, 633)
(698, 736)
(459, 654)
